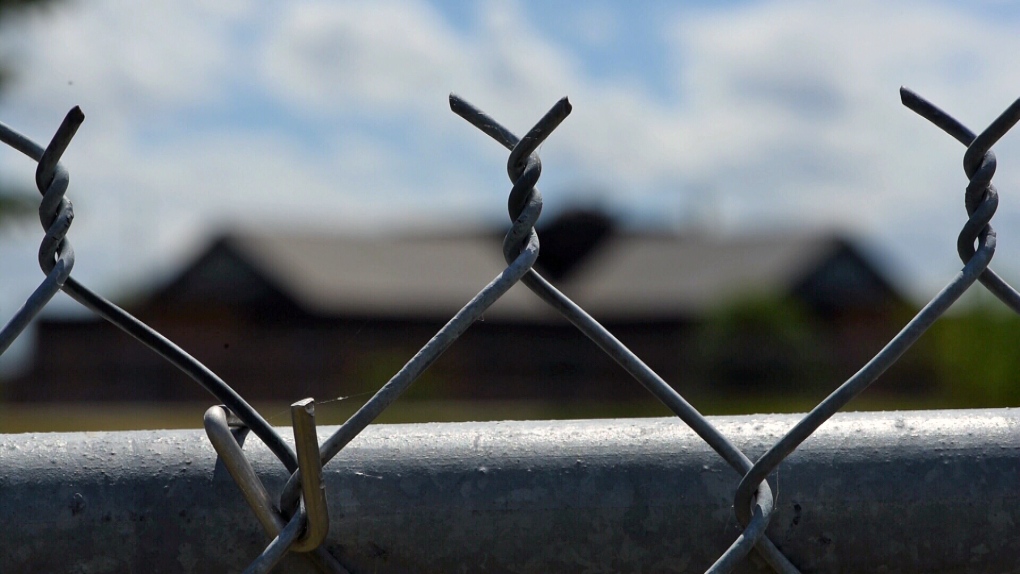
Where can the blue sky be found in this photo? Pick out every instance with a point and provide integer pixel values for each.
(722, 117)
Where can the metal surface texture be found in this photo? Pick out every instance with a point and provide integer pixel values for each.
(626, 495)
(893, 492)
(227, 445)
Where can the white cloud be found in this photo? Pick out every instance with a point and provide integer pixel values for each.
(135, 59)
(793, 72)
(782, 112)
(794, 114)
(374, 58)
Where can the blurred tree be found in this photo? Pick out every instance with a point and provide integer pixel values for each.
(764, 345)
(975, 357)
(15, 203)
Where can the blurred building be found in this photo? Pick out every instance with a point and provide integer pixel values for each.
(283, 316)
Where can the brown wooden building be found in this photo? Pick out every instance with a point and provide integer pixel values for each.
(282, 316)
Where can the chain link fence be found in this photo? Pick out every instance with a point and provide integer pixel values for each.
(295, 516)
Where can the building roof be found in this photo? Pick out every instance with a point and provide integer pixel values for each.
(688, 275)
(625, 276)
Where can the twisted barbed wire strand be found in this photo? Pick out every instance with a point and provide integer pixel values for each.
(522, 239)
(977, 229)
(979, 165)
(56, 258)
(633, 365)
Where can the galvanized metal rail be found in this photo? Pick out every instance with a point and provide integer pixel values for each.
(903, 491)
(553, 497)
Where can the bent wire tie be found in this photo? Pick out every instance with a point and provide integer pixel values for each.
(305, 531)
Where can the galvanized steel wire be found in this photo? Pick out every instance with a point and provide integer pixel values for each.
(297, 520)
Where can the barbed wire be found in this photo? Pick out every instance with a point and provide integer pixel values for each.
(297, 519)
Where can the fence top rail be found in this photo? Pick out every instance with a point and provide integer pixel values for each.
(437, 495)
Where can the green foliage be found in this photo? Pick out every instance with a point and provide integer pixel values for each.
(7, 5)
(762, 344)
(16, 205)
(770, 347)
(975, 356)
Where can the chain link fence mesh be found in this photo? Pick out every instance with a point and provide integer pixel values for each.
(296, 518)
